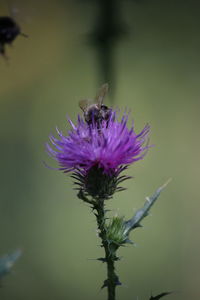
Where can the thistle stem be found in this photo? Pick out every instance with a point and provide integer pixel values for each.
(111, 281)
(110, 253)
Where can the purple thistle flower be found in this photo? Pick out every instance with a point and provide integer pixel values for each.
(97, 153)
(108, 147)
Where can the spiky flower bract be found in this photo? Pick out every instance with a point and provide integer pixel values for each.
(98, 153)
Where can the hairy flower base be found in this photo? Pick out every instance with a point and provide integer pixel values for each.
(116, 232)
(97, 184)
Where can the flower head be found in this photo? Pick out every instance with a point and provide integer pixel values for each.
(108, 147)
(103, 149)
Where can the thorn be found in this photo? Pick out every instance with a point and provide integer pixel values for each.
(160, 296)
(165, 184)
(118, 282)
(101, 259)
(129, 242)
(147, 199)
(139, 226)
(105, 284)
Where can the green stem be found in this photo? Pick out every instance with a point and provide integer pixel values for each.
(110, 253)
(112, 278)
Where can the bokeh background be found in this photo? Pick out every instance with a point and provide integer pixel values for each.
(148, 51)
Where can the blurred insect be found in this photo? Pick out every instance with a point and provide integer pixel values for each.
(9, 30)
(95, 111)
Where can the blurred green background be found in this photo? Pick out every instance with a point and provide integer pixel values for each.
(156, 74)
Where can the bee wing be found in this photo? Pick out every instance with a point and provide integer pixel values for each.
(101, 94)
(83, 104)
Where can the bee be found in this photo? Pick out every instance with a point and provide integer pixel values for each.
(95, 111)
(9, 30)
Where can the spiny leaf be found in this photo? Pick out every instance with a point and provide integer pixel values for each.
(160, 296)
(7, 261)
(134, 222)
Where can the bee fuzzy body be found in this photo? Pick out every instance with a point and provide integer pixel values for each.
(96, 112)
(9, 30)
